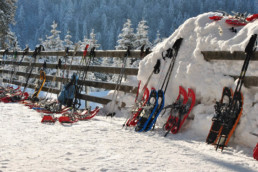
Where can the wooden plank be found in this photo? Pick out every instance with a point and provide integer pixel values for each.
(96, 84)
(249, 81)
(98, 53)
(226, 55)
(56, 91)
(100, 69)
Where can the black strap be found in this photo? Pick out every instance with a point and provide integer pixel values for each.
(157, 67)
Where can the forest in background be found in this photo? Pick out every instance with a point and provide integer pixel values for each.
(34, 18)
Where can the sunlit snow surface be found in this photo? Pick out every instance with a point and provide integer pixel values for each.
(101, 144)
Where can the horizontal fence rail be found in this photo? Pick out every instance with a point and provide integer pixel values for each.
(226, 55)
(100, 100)
(98, 53)
(96, 84)
(100, 69)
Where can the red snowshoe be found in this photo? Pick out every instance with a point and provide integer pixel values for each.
(252, 17)
(18, 97)
(87, 114)
(235, 22)
(48, 119)
(255, 155)
(181, 100)
(137, 111)
(216, 18)
(68, 118)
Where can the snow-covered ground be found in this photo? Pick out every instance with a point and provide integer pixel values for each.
(102, 145)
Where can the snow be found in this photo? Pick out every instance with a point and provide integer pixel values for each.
(101, 144)
(207, 79)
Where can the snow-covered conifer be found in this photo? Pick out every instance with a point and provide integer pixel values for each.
(7, 12)
(142, 35)
(67, 40)
(158, 39)
(127, 37)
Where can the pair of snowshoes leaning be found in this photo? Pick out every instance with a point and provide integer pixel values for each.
(71, 117)
(225, 119)
(179, 110)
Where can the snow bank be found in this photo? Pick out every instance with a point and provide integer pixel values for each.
(206, 78)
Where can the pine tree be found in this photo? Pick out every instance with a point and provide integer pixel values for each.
(93, 40)
(67, 40)
(7, 12)
(53, 42)
(158, 39)
(142, 35)
(127, 37)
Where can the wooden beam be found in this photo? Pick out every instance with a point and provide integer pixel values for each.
(226, 55)
(96, 84)
(100, 69)
(98, 53)
(249, 81)
(56, 91)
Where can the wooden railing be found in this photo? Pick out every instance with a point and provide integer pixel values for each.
(88, 83)
(249, 81)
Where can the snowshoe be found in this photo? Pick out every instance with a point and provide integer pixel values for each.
(148, 111)
(230, 121)
(88, 114)
(255, 152)
(48, 119)
(216, 18)
(138, 109)
(172, 121)
(161, 101)
(220, 108)
(68, 118)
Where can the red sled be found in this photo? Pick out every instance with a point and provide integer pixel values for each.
(255, 151)
(48, 119)
(252, 17)
(216, 18)
(235, 22)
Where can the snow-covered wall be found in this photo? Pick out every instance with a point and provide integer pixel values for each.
(206, 78)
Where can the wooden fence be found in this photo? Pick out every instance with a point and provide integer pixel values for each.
(249, 81)
(88, 83)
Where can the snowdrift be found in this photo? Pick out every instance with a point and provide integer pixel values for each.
(207, 79)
